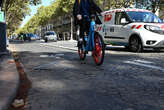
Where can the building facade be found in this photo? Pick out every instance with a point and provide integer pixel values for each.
(63, 26)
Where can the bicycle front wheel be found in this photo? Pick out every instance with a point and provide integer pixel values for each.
(99, 50)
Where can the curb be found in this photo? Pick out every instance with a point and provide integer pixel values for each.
(15, 82)
(23, 87)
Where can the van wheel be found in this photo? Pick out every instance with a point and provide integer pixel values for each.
(135, 44)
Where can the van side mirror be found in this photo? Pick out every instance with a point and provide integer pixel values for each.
(123, 21)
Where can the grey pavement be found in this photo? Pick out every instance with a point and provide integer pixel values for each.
(60, 81)
(9, 80)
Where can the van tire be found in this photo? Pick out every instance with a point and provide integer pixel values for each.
(135, 44)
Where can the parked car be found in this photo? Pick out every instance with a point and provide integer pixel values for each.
(30, 36)
(135, 29)
(26, 36)
(33, 37)
(37, 37)
(50, 36)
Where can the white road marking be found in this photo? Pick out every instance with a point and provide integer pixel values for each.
(143, 61)
(145, 65)
(43, 56)
(59, 55)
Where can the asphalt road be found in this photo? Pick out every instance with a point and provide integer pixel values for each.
(60, 81)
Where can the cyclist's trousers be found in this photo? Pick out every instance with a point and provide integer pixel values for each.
(84, 27)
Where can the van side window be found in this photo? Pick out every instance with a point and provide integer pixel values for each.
(119, 16)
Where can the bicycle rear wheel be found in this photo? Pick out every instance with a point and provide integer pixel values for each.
(99, 50)
(81, 51)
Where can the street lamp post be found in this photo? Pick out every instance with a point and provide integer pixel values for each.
(71, 28)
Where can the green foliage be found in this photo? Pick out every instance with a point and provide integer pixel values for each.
(15, 11)
(117, 4)
(44, 14)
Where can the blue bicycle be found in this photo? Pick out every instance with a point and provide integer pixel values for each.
(92, 42)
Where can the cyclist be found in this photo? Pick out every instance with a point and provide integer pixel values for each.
(82, 11)
(22, 37)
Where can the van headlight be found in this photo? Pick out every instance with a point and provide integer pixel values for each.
(154, 29)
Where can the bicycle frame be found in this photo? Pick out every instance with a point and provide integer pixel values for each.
(90, 42)
(93, 42)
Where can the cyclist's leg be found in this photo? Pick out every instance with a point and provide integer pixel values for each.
(81, 29)
(81, 48)
(78, 33)
(85, 29)
(87, 26)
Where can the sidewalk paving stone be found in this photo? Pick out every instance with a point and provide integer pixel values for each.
(9, 80)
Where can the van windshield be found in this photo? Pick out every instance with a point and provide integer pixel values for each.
(146, 17)
(50, 33)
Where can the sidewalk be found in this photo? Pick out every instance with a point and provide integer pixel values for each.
(9, 80)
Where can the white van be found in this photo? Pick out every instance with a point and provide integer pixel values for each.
(50, 36)
(132, 28)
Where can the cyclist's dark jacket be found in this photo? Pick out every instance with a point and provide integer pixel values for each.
(86, 7)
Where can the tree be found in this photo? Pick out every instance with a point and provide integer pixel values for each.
(15, 11)
(108, 4)
(153, 5)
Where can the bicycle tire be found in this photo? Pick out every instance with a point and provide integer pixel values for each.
(81, 52)
(98, 52)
